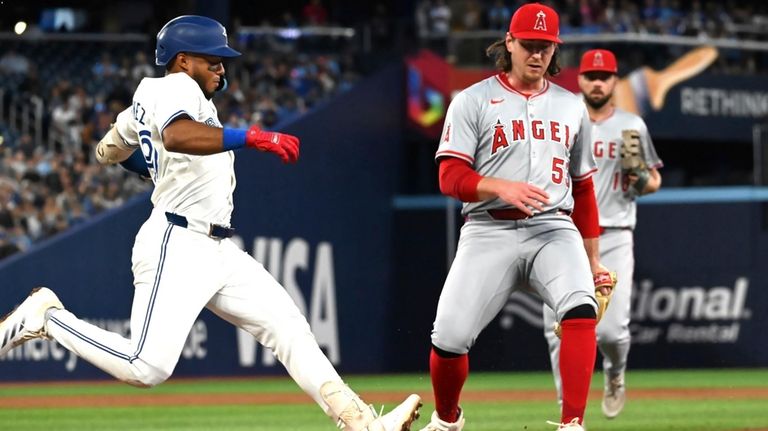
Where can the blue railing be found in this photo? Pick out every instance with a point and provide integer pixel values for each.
(687, 195)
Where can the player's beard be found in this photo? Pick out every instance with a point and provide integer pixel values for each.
(208, 94)
(598, 103)
(201, 82)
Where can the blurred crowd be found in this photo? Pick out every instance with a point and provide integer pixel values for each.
(45, 192)
(700, 18)
(274, 82)
(705, 20)
(49, 186)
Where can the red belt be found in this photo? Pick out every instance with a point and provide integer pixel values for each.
(516, 214)
(603, 228)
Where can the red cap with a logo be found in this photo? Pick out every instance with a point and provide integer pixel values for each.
(535, 21)
(598, 60)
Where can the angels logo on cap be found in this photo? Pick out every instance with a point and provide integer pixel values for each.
(598, 60)
(535, 21)
(540, 23)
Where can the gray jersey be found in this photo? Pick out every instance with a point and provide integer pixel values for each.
(615, 199)
(542, 139)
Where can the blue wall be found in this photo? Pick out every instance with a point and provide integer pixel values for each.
(322, 227)
(368, 267)
(699, 295)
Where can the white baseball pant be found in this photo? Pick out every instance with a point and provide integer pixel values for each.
(177, 272)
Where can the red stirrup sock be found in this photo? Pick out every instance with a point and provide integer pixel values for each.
(578, 350)
(448, 377)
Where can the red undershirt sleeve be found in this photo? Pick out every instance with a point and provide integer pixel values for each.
(585, 214)
(458, 179)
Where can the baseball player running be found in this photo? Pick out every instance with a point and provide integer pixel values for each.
(514, 149)
(627, 167)
(183, 259)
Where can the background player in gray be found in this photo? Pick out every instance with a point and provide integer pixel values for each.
(515, 150)
(183, 257)
(616, 192)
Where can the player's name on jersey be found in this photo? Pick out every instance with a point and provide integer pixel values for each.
(540, 130)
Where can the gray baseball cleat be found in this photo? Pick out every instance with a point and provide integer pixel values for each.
(27, 321)
(437, 424)
(352, 414)
(400, 418)
(614, 396)
(573, 425)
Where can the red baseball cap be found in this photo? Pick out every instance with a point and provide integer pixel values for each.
(598, 60)
(535, 21)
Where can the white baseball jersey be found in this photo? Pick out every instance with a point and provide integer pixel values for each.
(615, 199)
(541, 139)
(198, 187)
(178, 271)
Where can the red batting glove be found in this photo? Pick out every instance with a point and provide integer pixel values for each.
(285, 146)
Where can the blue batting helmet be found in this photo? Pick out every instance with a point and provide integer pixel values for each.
(192, 33)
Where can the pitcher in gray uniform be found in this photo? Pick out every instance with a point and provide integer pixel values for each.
(515, 150)
(616, 192)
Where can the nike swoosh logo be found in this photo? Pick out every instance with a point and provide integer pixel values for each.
(495, 101)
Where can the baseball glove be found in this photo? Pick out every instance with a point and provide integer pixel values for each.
(603, 280)
(632, 160)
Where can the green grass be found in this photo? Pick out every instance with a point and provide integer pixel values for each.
(214, 418)
(640, 414)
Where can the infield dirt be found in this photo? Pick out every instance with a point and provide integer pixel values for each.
(149, 399)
